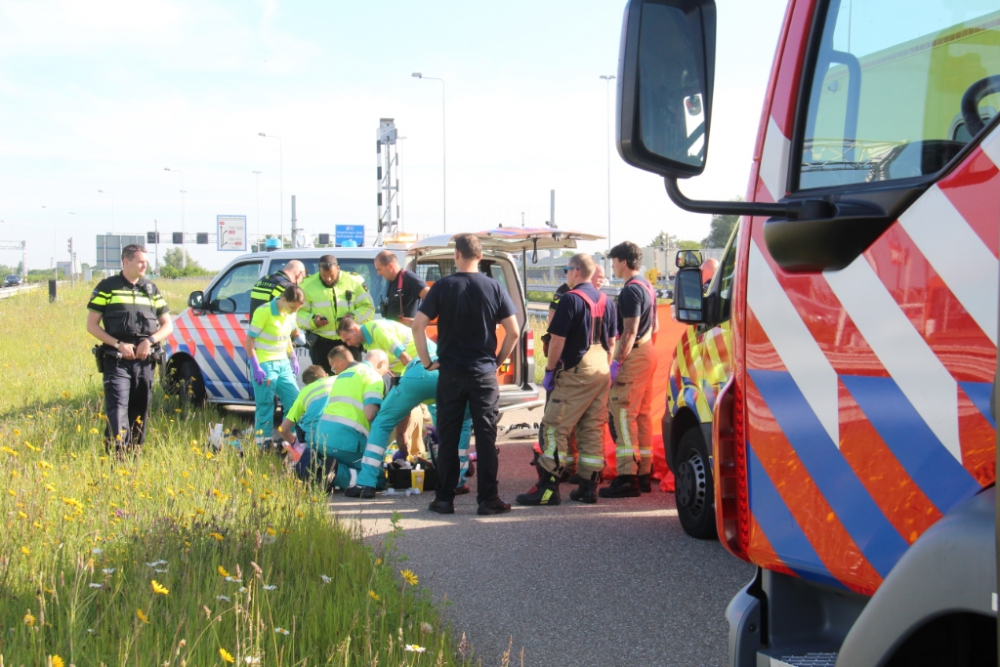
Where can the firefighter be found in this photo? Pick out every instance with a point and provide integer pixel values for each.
(268, 344)
(330, 295)
(271, 287)
(632, 372)
(576, 378)
(405, 289)
(416, 385)
(301, 420)
(130, 318)
(355, 400)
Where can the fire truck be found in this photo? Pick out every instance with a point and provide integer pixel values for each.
(831, 410)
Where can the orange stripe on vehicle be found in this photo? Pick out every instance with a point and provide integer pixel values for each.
(203, 334)
(762, 553)
(220, 331)
(977, 438)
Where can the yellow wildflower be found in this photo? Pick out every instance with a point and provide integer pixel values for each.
(409, 577)
(26, 551)
(78, 428)
(50, 488)
(22, 515)
(378, 561)
(32, 447)
(8, 450)
(226, 657)
(271, 531)
(17, 433)
(29, 619)
(141, 616)
(159, 588)
(217, 536)
(374, 596)
(44, 465)
(65, 394)
(223, 572)
(57, 661)
(93, 431)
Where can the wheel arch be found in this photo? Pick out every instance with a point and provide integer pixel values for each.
(684, 420)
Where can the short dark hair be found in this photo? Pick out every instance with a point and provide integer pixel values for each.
(386, 257)
(341, 351)
(346, 322)
(468, 246)
(129, 251)
(327, 262)
(293, 294)
(629, 253)
(584, 263)
(313, 373)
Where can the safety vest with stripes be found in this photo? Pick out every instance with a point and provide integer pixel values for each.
(359, 385)
(268, 289)
(348, 295)
(271, 330)
(308, 408)
(393, 338)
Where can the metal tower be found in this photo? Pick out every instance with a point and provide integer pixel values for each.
(23, 247)
(388, 179)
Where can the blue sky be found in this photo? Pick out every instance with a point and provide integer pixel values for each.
(105, 94)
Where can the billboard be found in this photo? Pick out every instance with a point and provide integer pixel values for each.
(232, 232)
(109, 249)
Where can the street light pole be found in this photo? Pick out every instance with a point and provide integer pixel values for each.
(281, 185)
(444, 150)
(112, 209)
(257, 175)
(183, 231)
(607, 104)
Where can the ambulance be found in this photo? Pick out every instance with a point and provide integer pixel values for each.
(831, 406)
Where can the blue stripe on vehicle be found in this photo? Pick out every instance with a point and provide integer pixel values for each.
(942, 479)
(690, 397)
(673, 389)
(213, 384)
(781, 528)
(237, 386)
(860, 515)
(980, 392)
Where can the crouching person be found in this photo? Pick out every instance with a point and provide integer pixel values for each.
(354, 400)
(301, 423)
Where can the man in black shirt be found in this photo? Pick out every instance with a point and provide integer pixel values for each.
(576, 381)
(469, 306)
(405, 289)
(130, 317)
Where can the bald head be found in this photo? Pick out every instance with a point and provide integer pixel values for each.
(295, 270)
(597, 278)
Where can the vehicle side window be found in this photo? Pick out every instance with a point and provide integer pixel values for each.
(236, 285)
(727, 272)
(497, 273)
(886, 93)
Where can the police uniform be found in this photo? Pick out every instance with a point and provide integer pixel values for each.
(343, 428)
(130, 313)
(348, 295)
(416, 385)
(632, 395)
(579, 399)
(268, 289)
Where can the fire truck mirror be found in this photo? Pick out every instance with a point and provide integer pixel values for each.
(665, 76)
(688, 258)
(688, 297)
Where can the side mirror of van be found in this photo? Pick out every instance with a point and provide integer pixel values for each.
(689, 302)
(196, 300)
(666, 70)
(225, 306)
(688, 259)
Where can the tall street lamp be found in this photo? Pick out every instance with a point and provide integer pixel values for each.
(257, 175)
(444, 152)
(112, 209)
(607, 89)
(183, 250)
(281, 185)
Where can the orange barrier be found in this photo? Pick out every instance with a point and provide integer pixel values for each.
(666, 342)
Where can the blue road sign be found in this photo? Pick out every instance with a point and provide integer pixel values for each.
(354, 233)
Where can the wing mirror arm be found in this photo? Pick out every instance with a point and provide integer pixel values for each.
(809, 209)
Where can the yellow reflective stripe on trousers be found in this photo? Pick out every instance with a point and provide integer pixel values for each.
(550, 439)
(591, 461)
(623, 420)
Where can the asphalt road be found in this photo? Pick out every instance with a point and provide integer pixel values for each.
(610, 584)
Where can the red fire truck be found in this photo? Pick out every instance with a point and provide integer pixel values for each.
(853, 444)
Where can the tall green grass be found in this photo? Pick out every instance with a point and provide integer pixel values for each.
(180, 555)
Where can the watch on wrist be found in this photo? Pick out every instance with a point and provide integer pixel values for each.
(118, 344)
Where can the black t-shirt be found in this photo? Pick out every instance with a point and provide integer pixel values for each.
(400, 303)
(562, 289)
(573, 321)
(129, 311)
(469, 307)
(634, 301)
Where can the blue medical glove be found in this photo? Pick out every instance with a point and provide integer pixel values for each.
(615, 367)
(258, 373)
(550, 381)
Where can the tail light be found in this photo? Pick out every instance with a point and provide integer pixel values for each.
(530, 338)
(732, 498)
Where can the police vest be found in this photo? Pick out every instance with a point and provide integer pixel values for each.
(268, 289)
(348, 295)
(129, 312)
(359, 385)
(271, 330)
(597, 314)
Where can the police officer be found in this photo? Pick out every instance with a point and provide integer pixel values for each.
(632, 372)
(331, 294)
(405, 289)
(130, 317)
(576, 378)
(271, 287)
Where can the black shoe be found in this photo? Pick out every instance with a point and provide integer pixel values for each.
(574, 479)
(545, 492)
(645, 485)
(366, 492)
(622, 486)
(442, 507)
(494, 506)
(462, 490)
(584, 493)
(568, 477)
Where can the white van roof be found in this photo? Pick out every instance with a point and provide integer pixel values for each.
(512, 240)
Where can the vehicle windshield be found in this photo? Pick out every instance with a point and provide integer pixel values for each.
(363, 267)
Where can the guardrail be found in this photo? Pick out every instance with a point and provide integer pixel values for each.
(11, 291)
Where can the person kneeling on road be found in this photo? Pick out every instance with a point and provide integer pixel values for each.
(416, 385)
(355, 400)
(271, 356)
(299, 427)
(577, 379)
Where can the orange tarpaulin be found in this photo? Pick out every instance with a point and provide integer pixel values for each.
(666, 342)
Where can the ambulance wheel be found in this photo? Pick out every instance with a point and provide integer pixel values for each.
(190, 385)
(695, 492)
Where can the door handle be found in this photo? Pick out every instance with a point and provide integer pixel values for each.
(244, 321)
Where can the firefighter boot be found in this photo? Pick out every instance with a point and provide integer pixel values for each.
(585, 493)
(645, 486)
(545, 492)
(622, 486)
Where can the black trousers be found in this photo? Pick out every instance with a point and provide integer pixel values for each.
(128, 386)
(320, 348)
(481, 394)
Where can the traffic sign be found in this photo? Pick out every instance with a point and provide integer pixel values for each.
(232, 232)
(354, 233)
